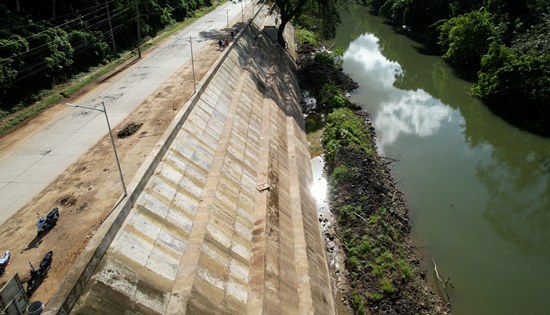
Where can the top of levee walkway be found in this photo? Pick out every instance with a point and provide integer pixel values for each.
(224, 223)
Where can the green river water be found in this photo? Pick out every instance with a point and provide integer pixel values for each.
(478, 188)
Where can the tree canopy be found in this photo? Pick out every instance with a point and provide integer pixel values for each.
(502, 44)
(43, 43)
(320, 16)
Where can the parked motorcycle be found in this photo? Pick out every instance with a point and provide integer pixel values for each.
(45, 223)
(4, 260)
(45, 264)
(38, 275)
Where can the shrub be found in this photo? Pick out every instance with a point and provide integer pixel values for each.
(324, 57)
(340, 173)
(517, 85)
(304, 36)
(387, 286)
(344, 129)
(358, 304)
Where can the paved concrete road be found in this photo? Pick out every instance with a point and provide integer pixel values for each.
(30, 166)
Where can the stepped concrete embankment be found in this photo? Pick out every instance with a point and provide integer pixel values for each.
(221, 219)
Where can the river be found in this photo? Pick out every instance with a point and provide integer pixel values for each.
(478, 188)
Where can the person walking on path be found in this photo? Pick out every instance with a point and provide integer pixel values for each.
(220, 43)
(232, 34)
(225, 43)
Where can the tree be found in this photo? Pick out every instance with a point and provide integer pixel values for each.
(466, 38)
(325, 12)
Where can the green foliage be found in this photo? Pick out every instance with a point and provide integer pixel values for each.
(320, 16)
(536, 41)
(345, 213)
(518, 83)
(371, 242)
(406, 269)
(387, 286)
(92, 50)
(7, 75)
(330, 98)
(344, 129)
(358, 304)
(465, 38)
(340, 173)
(476, 35)
(375, 296)
(374, 219)
(58, 56)
(38, 51)
(324, 57)
(304, 36)
(331, 58)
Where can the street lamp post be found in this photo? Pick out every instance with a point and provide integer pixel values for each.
(110, 134)
(242, 12)
(193, 64)
(192, 60)
(227, 14)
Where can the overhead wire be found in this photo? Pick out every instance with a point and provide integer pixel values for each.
(39, 65)
(43, 47)
(32, 67)
(101, 5)
(42, 66)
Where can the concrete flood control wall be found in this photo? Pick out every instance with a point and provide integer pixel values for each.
(225, 223)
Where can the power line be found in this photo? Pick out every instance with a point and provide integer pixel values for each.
(37, 49)
(68, 14)
(80, 18)
(77, 49)
(39, 64)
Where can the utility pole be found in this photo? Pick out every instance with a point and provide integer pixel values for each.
(227, 13)
(193, 65)
(104, 111)
(138, 30)
(110, 26)
(54, 9)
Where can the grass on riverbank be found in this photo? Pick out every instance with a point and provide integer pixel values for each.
(372, 223)
(49, 98)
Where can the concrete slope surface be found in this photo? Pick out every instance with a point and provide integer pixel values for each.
(226, 223)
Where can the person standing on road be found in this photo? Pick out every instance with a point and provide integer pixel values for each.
(232, 34)
(220, 43)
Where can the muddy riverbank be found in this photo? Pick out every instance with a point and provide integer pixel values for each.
(374, 263)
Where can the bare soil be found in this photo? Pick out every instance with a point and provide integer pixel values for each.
(90, 188)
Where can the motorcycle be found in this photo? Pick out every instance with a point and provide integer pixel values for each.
(38, 275)
(45, 264)
(4, 260)
(45, 223)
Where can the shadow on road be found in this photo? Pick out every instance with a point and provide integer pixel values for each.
(36, 241)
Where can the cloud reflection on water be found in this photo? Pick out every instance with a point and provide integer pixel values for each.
(400, 112)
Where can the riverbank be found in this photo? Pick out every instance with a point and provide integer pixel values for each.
(370, 229)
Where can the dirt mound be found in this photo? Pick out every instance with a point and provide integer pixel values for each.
(373, 226)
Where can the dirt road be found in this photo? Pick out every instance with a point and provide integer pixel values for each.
(88, 190)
